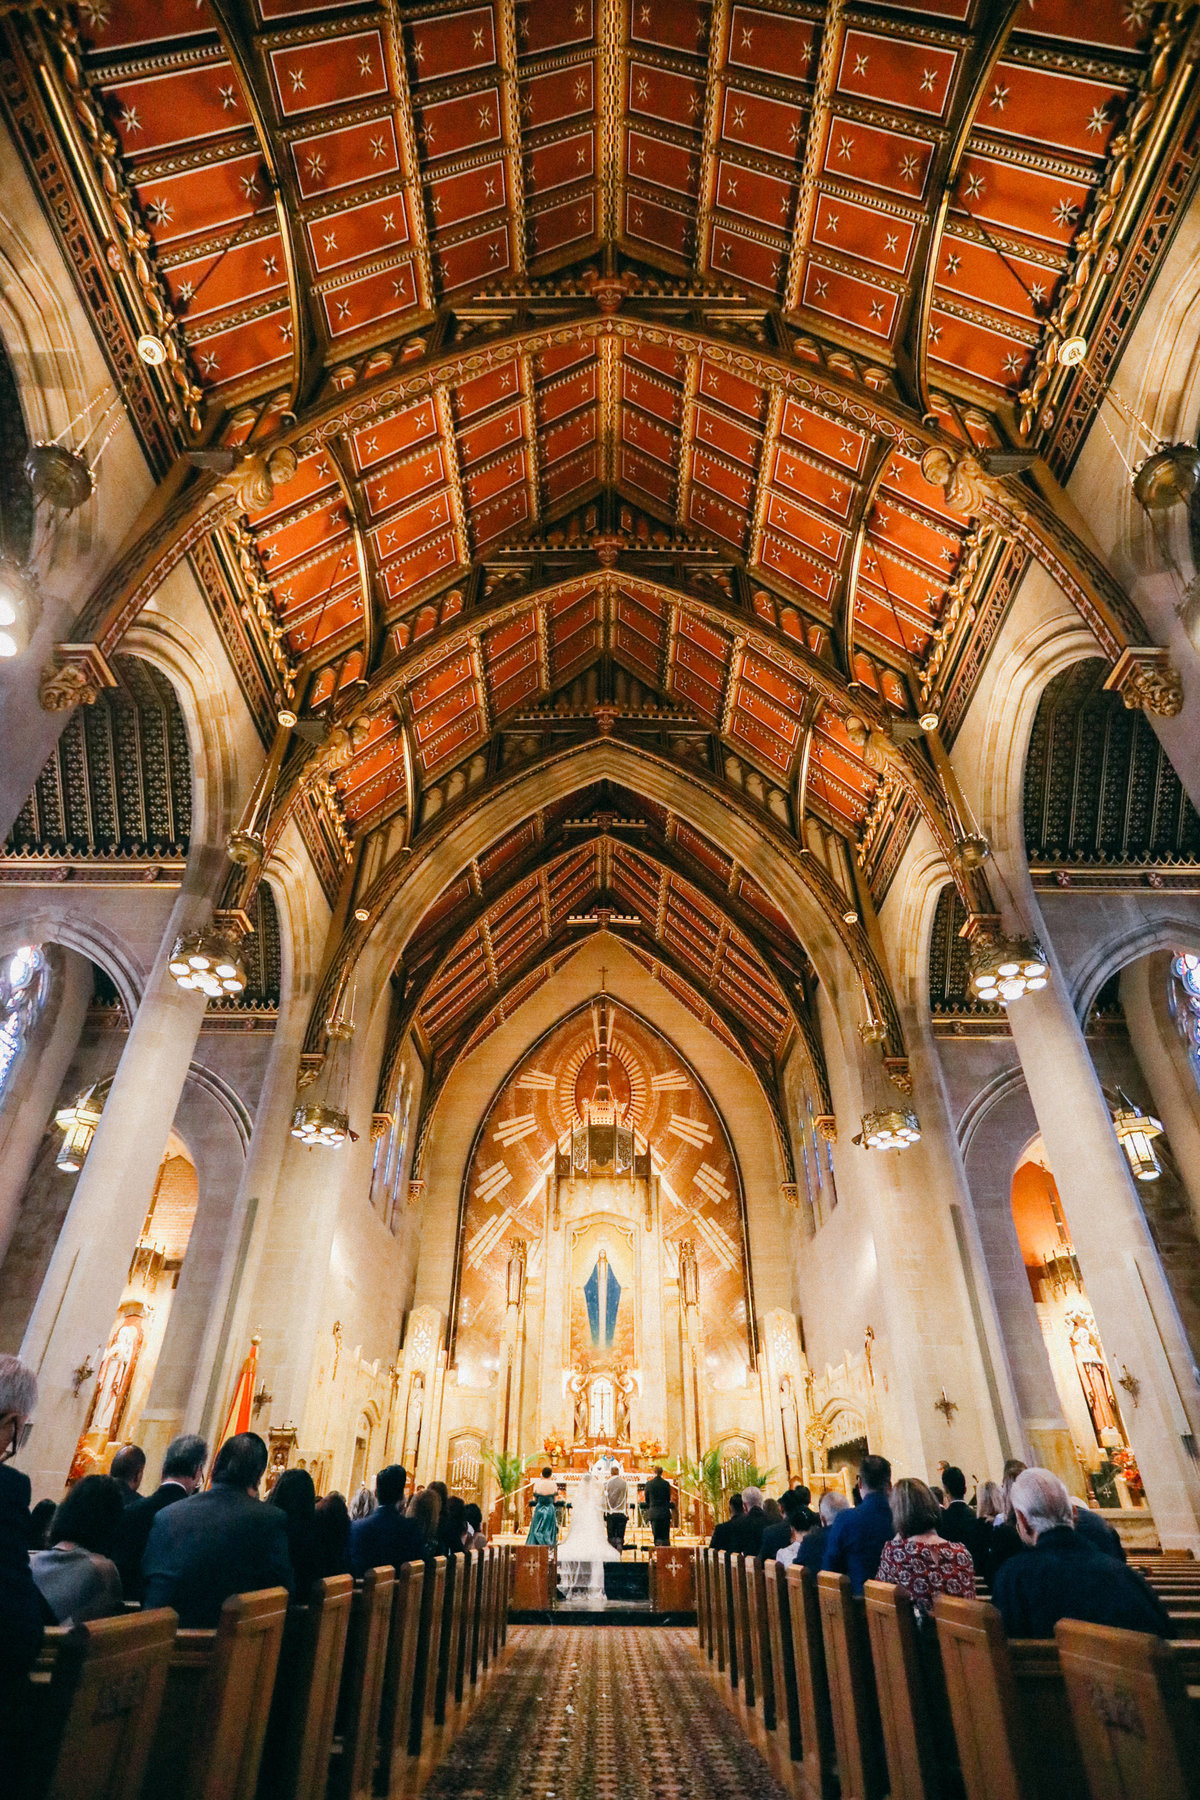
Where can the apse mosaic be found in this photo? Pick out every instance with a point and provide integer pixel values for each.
(541, 1164)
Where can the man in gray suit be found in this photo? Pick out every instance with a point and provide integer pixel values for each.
(616, 1503)
(222, 1542)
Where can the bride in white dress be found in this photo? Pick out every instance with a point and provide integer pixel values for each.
(584, 1551)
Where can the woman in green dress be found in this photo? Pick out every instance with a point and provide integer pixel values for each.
(543, 1527)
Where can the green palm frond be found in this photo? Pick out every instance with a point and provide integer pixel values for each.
(508, 1466)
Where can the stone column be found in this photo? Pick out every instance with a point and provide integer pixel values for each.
(1134, 1312)
(79, 1297)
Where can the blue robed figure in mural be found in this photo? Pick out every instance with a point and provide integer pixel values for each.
(602, 1292)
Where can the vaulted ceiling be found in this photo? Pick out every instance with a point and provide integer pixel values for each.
(608, 337)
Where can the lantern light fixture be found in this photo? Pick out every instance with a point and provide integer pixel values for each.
(77, 1123)
(208, 962)
(324, 1119)
(1002, 969)
(1136, 1132)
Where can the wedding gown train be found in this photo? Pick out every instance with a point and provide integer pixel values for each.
(585, 1549)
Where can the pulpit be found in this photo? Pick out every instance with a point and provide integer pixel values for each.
(672, 1579)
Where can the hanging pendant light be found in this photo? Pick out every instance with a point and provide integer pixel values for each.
(78, 1124)
(1002, 969)
(1136, 1132)
(886, 1126)
(208, 962)
(324, 1119)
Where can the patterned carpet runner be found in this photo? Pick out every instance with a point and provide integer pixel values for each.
(613, 1714)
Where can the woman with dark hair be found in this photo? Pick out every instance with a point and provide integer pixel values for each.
(76, 1576)
(452, 1526)
(40, 1517)
(333, 1535)
(475, 1538)
(296, 1497)
(426, 1513)
(920, 1562)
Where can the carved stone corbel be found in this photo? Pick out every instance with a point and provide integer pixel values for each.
(898, 1072)
(76, 677)
(826, 1125)
(790, 1193)
(1147, 681)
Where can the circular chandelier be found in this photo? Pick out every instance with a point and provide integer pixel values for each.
(325, 1119)
(314, 1123)
(208, 962)
(1002, 969)
(889, 1128)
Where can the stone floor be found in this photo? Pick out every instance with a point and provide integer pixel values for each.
(623, 1714)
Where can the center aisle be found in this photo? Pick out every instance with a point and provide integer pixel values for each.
(602, 1714)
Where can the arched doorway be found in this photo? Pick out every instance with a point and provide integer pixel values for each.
(1089, 1394)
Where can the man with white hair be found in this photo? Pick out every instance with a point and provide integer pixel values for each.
(20, 1604)
(747, 1532)
(1060, 1575)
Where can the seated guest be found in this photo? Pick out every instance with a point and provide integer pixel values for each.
(76, 1576)
(810, 1551)
(476, 1539)
(857, 1536)
(1004, 1540)
(777, 1536)
(362, 1505)
(222, 1542)
(747, 1532)
(452, 1526)
(182, 1473)
(21, 1614)
(1097, 1531)
(1062, 1576)
(958, 1524)
(128, 1467)
(772, 1512)
(386, 1535)
(333, 1534)
(296, 1497)
(918, 1560)
(39, 1524)
(721, 1536)
(989, 1505)
(424, 1521)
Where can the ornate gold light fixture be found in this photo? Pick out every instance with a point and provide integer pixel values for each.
(1003, 968)
(78, 1124)
(1136, 1132)
(209, 962)
(889, 1128)
(325, 1119)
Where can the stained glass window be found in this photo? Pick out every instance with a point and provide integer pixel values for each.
(22, 981)
(1184, 1001)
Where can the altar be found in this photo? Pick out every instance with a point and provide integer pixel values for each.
(601, 1304)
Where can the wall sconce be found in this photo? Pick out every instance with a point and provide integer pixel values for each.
(78, 1124)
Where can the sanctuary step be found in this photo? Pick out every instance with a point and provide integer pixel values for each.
(627, 1581)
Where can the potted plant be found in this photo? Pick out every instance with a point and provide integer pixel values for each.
(508, 1467)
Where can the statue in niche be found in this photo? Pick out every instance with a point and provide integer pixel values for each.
(624, 1383)
(115, 1377)
(578, 1388)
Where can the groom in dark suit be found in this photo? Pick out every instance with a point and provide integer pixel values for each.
(658, 1507)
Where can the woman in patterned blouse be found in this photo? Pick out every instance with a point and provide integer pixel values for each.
(917, 1560)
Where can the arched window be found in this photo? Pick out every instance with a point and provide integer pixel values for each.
(1183, 998)
(22, 991)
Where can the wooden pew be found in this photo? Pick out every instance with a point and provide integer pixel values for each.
(213, 1723)
(459, 1685)
(783, 1665)
(303, 1716)
(352, 1775)
(447, 1641)
(425, 1662)
(906, 1678)
(818, 1750)
(731, 1618)
(720, 1621)
(483, 1563)
(1138, 1731)
(506, 1593)
(701, 1574)
(396, 1704)
(760, 1641)
(741, 1626)
(88, 1715)
(1012, 1722)
(856, 1729)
